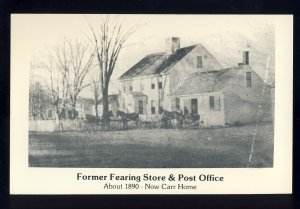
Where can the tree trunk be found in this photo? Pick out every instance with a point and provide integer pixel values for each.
(105, 100)
(73, 111)
(58, 123)
(105, 83)
(96, 109)
(56, 113)
(62, 113)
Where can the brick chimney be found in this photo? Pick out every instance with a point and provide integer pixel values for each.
(246, 57)
(172, 45)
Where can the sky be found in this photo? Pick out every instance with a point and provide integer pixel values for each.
(222, 33)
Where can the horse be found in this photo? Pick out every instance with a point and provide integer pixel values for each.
(92, 119)
(72, 114)
(168, 116)
(194, 117)
(68, 114)
(127, 117)
(106, 119)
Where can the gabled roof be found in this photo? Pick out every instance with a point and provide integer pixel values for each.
(80, 100)
(111, 98)
(156, 63)
(228, 47)
(206, 82)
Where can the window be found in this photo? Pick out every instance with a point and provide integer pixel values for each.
(199, 62)
(49, 113)
(177, 104)
(153, 107)
(130, 88)
(160, 85)
(153, 86)
(124, 88)
(248, 79)
(214, 103)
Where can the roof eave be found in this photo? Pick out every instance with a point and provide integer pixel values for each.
(197, 94)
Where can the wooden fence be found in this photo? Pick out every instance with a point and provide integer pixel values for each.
(70, 125)
(42, 125)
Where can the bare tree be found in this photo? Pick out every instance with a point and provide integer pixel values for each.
(74, 60)
(109, 39)
(67, 66)
(81, 59)
(52, 80)
(38, 97)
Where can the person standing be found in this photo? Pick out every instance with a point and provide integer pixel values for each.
(186, 113)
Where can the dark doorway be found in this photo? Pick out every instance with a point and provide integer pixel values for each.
(141, 108)
(194, 106)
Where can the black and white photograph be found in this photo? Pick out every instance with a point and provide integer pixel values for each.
(136, 91)
(124, 94)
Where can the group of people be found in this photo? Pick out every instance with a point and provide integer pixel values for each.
(189, 116)
(179, 116)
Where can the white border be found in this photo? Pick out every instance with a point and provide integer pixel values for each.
(25, 180)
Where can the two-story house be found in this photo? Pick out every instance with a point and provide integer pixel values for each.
(192, 77)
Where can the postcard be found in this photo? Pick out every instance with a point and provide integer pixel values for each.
(151, 104)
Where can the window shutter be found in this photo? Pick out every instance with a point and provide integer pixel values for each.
(217, 103)
(177, 104)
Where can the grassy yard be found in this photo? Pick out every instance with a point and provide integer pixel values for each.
(155, 148)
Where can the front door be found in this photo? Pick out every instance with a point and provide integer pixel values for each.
(194, 106)
(141, 108)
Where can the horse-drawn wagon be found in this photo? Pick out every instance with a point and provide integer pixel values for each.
(167, 119)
